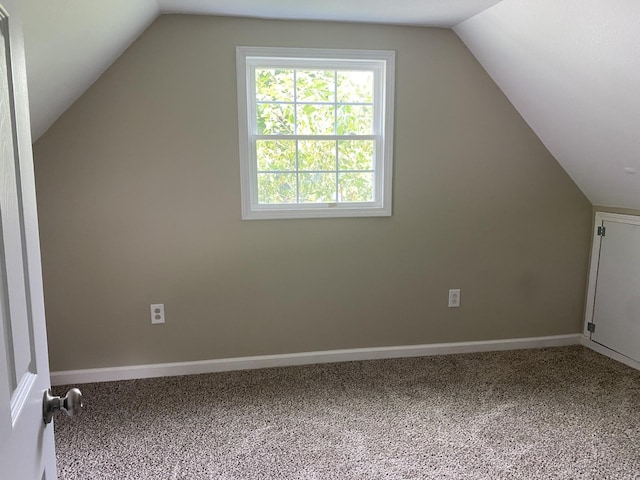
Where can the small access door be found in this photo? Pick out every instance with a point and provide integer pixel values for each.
(615, 321)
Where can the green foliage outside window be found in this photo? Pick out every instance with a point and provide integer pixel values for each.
(306, 102)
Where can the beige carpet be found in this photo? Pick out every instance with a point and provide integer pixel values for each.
(560, 413)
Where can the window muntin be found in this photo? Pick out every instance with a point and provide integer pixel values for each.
(315, 132)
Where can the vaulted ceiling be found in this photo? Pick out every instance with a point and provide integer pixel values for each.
(571, 68)
(70, 43)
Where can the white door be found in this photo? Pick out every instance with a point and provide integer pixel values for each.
(616, 314)
(26, 444)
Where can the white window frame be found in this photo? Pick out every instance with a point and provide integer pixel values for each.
(381, 63)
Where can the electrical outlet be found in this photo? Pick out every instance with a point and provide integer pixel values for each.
(454, 298)
(157, 312)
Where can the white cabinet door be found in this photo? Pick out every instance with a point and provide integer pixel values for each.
(26, 444)
(616, 314)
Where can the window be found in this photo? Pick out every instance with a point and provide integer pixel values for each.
(316, 131)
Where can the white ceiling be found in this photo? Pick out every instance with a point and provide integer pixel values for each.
(570, 67)
(441, 13)
(70, 43)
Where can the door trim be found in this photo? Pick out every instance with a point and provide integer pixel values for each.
(595, 260)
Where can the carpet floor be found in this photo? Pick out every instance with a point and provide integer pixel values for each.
(556, 413)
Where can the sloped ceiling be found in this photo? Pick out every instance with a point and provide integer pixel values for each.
(70, 43)
(570, 67)
(572, 70)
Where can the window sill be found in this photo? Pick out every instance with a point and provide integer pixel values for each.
(313, 211)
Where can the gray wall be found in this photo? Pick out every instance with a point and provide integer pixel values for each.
(139, 197)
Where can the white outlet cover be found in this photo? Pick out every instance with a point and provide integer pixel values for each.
(157, 312)
(454, 298)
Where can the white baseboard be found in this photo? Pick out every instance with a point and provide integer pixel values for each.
(607, 352)
(67, 377)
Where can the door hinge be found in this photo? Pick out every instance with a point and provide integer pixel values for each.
(601, 231)
(591, 327)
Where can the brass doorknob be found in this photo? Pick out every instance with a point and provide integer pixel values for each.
(70, 403)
